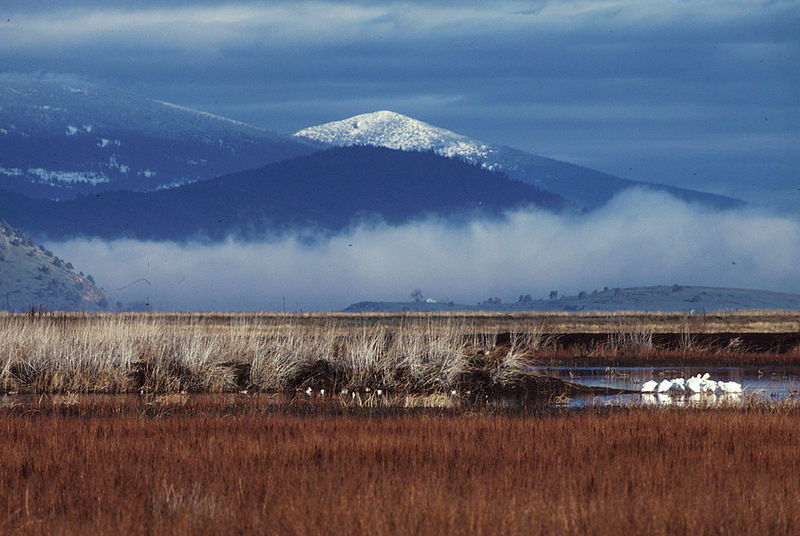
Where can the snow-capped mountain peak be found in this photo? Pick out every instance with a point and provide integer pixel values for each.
(586, 188)
(397, 131)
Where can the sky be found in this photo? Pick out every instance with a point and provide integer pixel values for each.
(702, 94)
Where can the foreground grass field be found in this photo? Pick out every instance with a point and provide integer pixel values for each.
(190, 465)
(407, 353)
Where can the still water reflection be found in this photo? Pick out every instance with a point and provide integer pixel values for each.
(765, 383)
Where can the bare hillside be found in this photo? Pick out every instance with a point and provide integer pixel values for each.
(31, 276)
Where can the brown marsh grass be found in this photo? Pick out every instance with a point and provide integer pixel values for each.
(200, 467)
(407, 353)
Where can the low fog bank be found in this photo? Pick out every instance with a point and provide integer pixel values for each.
(639, 238)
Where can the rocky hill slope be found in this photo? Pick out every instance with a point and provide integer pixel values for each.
(31, 276)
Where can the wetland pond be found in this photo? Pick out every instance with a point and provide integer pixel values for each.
(765, 383)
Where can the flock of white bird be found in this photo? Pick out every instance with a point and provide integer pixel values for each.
(696, 384)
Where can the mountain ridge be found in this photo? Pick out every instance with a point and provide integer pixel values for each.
(587, 188)
(60, 137)
(688, 299)
(327, 191)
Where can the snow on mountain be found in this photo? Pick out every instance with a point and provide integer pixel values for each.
(60, 137)
(397, 131)
(585, 187)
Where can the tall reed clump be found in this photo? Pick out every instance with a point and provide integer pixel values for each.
(510, 367)
(110, 353)
(495, 363)
(414, 356)
(631, 340)
(428, 356)
(364, 357)
(187, 359)
(278, 355)
(50, 356)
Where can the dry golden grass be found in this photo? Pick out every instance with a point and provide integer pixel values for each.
(409, 353)
(200, 466)
(754, 321)
(170, 353)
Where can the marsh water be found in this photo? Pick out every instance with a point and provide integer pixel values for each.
(763, 382)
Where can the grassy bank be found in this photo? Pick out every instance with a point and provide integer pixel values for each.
(77, 468)
(414, 353)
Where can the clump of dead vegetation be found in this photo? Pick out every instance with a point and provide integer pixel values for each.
(155, 353)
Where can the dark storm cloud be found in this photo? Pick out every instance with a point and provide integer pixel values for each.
(702, 94)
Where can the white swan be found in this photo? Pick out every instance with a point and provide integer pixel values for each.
(650, 386)
(664, 386)
(679, 384)
(730, 387)
(695, 384)
(664, 398)
(695, 387)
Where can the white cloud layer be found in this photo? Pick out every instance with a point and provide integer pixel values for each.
(639, 238)
(320, 22)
